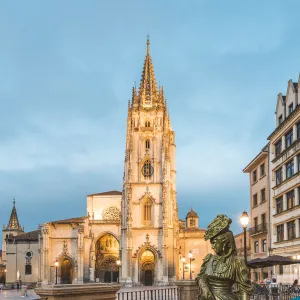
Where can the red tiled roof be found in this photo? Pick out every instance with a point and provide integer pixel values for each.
(109, 193)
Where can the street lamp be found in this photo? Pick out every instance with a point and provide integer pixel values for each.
(56, 265)
(183, 263)
(191, 259)
(119, 265)
(244, 219)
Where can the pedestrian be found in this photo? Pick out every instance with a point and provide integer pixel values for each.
(12, 287)
(25, 290)
(18, 286)
(1, 286)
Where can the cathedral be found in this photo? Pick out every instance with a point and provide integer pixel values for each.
(131, 236)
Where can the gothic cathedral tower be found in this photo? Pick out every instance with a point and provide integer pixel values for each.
(149, 206)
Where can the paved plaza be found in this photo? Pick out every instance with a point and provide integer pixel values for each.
(14, 295)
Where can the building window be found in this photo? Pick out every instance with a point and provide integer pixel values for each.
(262, 170)
(264, 245)
(254, 200)
(263, 220)
(280, 269)
(280, 233)
(147, 211)
(192, 223)
(291, 108)
(263, 195)
(279, 176)
(278, 147)
(256, 247)
(290, 169)
(298, 162)
(147, 144)
(291, 230)
(289, 138)
(255, 223)
(290, 199)
(298, 130)
(279, 205)
(147, 124)
(147, 169)
(280, 119)
(254, 176)
(27, 269)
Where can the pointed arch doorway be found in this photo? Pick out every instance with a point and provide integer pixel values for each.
(147, 266)
(66, 271)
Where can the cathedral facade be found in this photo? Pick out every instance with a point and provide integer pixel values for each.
(132, 236)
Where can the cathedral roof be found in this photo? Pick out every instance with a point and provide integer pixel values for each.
(70, 220)
(13, 223)
(28, 236)
(109, 193)
(192, 214)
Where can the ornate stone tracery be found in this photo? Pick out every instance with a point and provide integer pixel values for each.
(111, 213)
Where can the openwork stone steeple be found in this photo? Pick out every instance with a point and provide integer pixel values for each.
(148, 95)
(13, 223)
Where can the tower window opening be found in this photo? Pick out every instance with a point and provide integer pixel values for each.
(147, 144)
(147, 124)
(147, 211)
(147, 169)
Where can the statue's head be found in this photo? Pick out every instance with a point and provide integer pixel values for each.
(221, 238)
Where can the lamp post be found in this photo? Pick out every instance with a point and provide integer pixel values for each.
(244, 219)
(191, 259)
(183, 264)
(119, 265)
(56, 265)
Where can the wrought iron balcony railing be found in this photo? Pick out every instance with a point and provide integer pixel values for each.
(258, 229)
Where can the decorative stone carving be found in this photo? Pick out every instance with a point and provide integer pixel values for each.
(111, 213)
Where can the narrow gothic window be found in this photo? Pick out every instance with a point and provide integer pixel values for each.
(147, 212)
(147, 144)
(147, 124)
(147, 169)
(28, 269)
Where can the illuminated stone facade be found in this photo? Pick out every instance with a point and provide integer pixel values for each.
(138, 227)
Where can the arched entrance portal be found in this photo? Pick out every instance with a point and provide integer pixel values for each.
(107, 253)
(147, 264)
(66, 271)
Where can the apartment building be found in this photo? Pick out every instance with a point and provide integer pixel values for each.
(258, 170)
(285, 182)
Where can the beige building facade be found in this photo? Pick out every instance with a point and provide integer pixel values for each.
(285, 182)
(133, 236)
(259, 233)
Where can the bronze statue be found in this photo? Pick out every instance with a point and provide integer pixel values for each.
(221, 271)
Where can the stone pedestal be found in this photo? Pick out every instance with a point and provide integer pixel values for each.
(89, 291)
(188, 289)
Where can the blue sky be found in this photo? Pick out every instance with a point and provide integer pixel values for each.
(66, 73)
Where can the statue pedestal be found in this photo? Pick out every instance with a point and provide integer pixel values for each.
(89, 291)
(188, 289)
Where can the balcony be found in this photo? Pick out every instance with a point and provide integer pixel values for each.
(258, 229)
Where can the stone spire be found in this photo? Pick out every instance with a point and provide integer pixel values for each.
(14, 221)
(148, 91)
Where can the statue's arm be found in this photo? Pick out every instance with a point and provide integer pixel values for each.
(244, 286)
(201, 280)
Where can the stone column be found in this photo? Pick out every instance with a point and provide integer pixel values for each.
(295, 165)
(296, 193)
(284, 197)
(283, 143)
(285, 231)
(297, 221)
(294, 132)
(283, 172)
